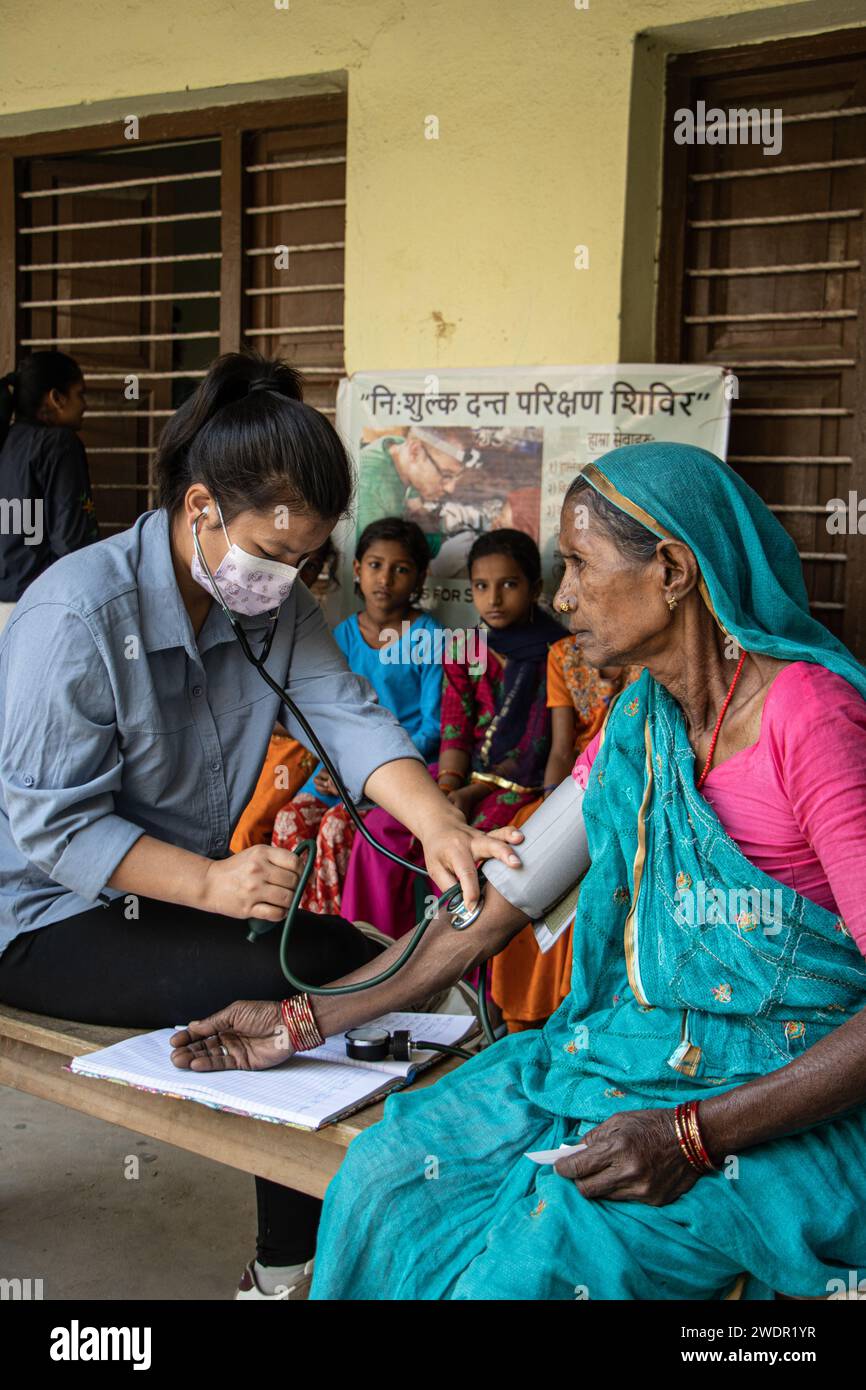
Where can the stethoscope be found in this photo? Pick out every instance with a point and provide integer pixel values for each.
(372, 1043)
(451, 899)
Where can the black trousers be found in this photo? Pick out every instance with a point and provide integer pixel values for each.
(169, 965)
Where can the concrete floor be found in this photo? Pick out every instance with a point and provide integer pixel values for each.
(184, 1228)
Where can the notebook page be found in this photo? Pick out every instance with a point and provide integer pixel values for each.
(306, 1093)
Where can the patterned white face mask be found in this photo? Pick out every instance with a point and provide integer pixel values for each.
(247, 584)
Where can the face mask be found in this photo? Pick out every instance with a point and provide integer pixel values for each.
(247, 584)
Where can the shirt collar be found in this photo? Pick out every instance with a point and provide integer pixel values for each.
(164, 620)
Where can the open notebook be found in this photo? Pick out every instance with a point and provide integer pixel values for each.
(312, 1089)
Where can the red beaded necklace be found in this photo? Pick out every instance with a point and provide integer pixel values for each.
(727, 700)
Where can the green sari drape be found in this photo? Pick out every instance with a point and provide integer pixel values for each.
(693, 972)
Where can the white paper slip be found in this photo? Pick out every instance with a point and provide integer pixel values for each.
(551, 1155)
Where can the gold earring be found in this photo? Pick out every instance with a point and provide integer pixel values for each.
(672, 603)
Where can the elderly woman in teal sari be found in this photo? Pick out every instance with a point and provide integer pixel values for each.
(711, 1056)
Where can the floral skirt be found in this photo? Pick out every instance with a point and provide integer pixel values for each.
(307, 818)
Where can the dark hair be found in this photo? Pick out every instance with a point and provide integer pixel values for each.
(405, 533)
(632, 539)
(516, 544)
(246, 435)
(22, 392)
(326, 559)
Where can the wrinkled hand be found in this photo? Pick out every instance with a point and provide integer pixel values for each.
(257, 882)
(451, 848)
(632, 1157)
(251, 1031)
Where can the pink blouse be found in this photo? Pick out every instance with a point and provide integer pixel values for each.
(795, 801)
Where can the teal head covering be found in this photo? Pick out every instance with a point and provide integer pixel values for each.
(752, 579)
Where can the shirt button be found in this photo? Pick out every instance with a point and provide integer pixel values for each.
(215, 765)
(27, 780)
(196, 690)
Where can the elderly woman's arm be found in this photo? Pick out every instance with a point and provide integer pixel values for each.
(252, 1031)
(444, 956)
(555, 853)
(823, 1082)
(635, 1156)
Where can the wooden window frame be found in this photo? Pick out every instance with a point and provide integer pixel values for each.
(228, 124)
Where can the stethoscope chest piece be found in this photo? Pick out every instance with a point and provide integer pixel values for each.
(373, 1044)
(461, 916)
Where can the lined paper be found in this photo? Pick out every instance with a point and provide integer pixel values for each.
(308, 1090)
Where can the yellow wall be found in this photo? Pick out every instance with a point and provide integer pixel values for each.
(459, 250)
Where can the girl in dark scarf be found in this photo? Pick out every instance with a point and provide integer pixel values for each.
(495, 720)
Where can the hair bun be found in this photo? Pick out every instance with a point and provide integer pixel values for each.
(263, 384)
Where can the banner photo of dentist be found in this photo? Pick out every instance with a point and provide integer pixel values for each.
(466, 451)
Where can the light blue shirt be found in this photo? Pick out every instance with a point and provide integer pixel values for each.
(407, 677)
(116, 721)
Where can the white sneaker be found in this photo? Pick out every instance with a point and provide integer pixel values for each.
(249, 1285)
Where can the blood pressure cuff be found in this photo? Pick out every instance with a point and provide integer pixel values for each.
(554, 856)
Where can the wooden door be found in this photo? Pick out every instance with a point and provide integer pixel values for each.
(762, 270)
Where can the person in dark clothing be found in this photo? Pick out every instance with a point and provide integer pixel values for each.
(46, 505)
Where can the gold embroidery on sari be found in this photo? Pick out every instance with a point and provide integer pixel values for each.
(631, 957)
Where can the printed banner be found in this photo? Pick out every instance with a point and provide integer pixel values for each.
(466, 451)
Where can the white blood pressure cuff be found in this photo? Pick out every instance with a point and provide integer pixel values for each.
(554, 856)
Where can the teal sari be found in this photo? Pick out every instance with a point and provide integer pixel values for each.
(693, 972)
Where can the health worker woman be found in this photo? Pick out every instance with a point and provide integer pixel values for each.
(133, 730)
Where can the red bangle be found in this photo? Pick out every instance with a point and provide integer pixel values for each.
(690, 1139)
(300, 1023)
